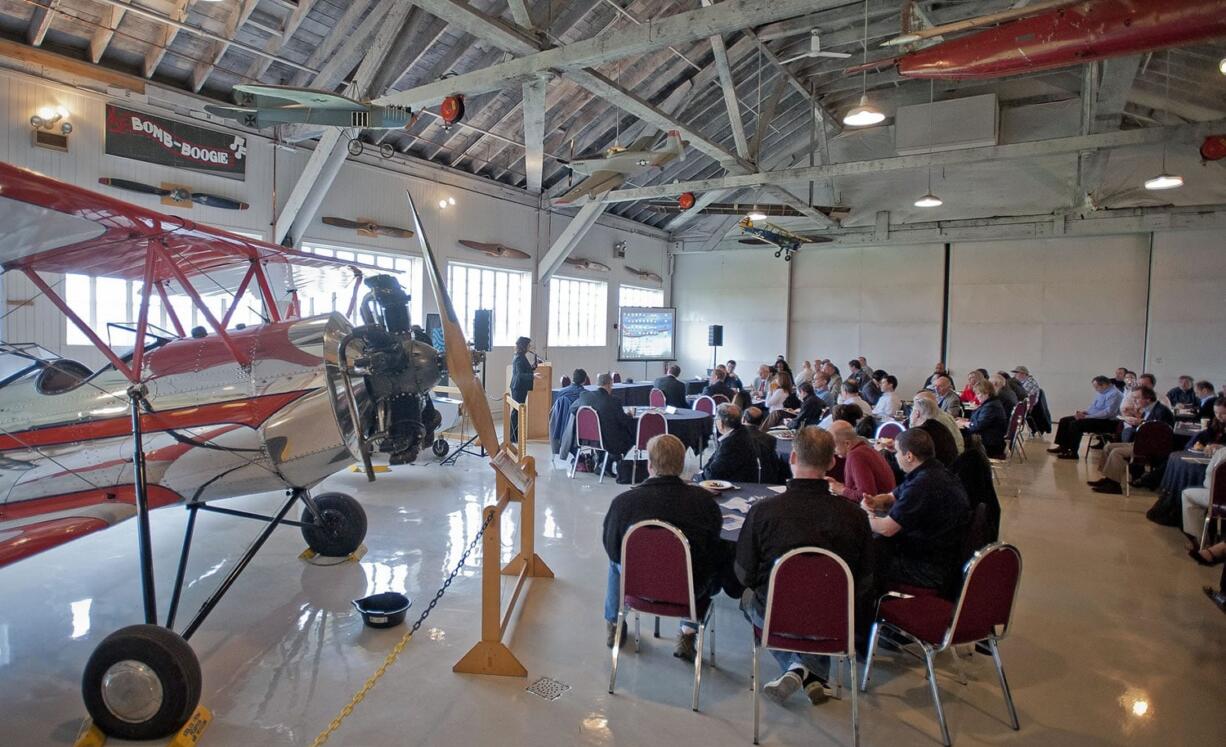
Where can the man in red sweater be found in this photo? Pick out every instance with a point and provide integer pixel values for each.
(865, 471)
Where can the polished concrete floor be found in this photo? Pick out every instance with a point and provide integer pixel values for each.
(1113, 642)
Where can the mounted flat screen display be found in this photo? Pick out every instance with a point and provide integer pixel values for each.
(647, 334)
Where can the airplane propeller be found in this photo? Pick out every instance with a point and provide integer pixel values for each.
(176, 194)
(586, 264)
(368, 227)
(501, 251)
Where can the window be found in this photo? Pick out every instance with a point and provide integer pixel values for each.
(577, 312)
(508, 293)
(630, 295)
(323, 291)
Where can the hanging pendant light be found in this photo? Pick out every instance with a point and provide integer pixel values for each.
(929, 200)
(1165, 179)
(864, 113)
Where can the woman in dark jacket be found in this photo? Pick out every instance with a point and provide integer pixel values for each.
(1008, 399)
(989, 421)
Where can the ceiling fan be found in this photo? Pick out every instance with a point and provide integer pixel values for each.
(586, 264)
(494, 249)
(815, 50)
(367, 227)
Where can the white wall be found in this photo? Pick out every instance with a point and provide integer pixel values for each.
(1187, 326)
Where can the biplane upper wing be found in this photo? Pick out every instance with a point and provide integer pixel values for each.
(49, 226)
(276, 97)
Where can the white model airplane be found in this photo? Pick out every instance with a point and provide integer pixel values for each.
(261, 106)
(608, 172)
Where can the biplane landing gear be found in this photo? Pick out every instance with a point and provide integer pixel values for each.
(141, 682)
(355, 147)
(335, 526)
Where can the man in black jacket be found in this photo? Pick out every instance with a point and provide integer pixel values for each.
(617, 429)
(735, 458)
(673, 388)
(807, 514)
(1115, 457)
(775, 468)
(718, 385)
(812, 407)
(666, 497)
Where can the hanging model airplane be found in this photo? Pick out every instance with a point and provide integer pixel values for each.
(177, 195)
(785, 242)
(501, 251)
(367, 227)
(586, 264)
(1061, 34)
(671, 207)
(609, 170)
(262, 106)
(644, 274)
(187, 420)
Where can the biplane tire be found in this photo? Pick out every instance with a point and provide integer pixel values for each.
(141, 682)
(341, 528)
(386, 150)
(355, 147)
(441, 448)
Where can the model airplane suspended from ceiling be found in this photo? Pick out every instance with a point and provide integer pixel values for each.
(277, 406)
(746, 208)
(494, 249)
(644, 274)
(263, 106)
(367, 227)
(785, 242)
(180, 196)
(1055, 34)
(586, 264)
(609, 171)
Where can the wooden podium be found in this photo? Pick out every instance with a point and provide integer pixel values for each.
(540, 401)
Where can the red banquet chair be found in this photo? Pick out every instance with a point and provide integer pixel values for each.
(650, 425)
(719, 399)
(656, 398)
(1217, 504)
(658, 578)
(1151, 444)
(565, 381)
(705, 403)
(889, 429)
(587, 436)
(810, 609)
(1017, 424)
(617, 378)
(982, 613)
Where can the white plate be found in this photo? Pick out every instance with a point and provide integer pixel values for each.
(715, 484)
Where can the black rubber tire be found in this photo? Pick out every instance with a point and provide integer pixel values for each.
(355, 147)
(169, 656)
(343, 529)
(386, 150)
(440, 448)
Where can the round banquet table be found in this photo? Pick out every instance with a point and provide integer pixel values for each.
(691, 426)
(734, 515)
(628, 393)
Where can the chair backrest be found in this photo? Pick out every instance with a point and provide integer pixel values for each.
(587, 427)
(651, 424)
(1217, 490)
(810, 603)
(705, 404)
(1153, 440)
(889, 429)
(656, 398)
(989, 588)
(565, 381)
(719, 399)
(617, 378)
(1016, 421)
(657, 569)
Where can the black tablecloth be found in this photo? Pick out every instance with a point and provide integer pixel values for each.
(691, 426)
(750, 491)
(695, 386)
(632, 395)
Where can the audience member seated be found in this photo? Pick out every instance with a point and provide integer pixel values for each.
(781, 366)
(673, 388)
(761, 384)
(719, 385)
(664, 496)
(784, 396)
(988, 421)
(833, 377)
(1099, 417)
(1216, 432)
(850, 395)
(1008, 398)
(1014, 385)
(807, 514)
(559, 414)
(926, 415)
(1206, 399)
(1196, 500)
(947, 397)
(743, 399)
(617, 429)
(735, 458)
(968, 393)
(871, 391)
(1183, 394)
(865, 470)
(811, 407)
(733, 380)
(821, 387)
(1113, 464)
(1028, 382)
(938, 371)
(846, 413)
(857, 373)
(924, 519)
(888, 402)
(1120, 378)
(805, 374)
(950, 424)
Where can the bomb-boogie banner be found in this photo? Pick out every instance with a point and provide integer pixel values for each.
(145, 137)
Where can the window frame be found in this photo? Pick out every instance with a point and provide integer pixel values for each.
(509, 323)
(573, 299)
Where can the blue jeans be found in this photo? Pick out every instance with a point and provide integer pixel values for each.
(613, 590)
(819, 665)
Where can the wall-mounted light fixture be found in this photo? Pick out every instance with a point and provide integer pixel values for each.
(51, 128)
(446, 203)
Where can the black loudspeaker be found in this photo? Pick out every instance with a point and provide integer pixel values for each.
(715, 335)
(483, 329)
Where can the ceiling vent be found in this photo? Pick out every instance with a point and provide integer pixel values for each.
(955, 124)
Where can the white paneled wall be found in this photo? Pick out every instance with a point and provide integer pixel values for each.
(1187, 324)
(747, 293)
(884, 303)
(1067, 309)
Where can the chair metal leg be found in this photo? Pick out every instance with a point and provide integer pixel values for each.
(755, 694)
(656, 634)
(855, 703)
(702, 629)
(636, 632)
(868, 658)
(1004, 684)
(573, 462)
(604, 465)
(711, 626)
(617, 645)
(1204, 533)
(929, 655)
(838, 679)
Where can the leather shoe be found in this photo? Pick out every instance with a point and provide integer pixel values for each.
(1111, 487)
(1068, 455)
(1055, 450)
(1096, 483)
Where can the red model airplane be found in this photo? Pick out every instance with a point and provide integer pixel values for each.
(188, 419)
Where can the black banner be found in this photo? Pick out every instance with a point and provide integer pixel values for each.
(145, 137)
